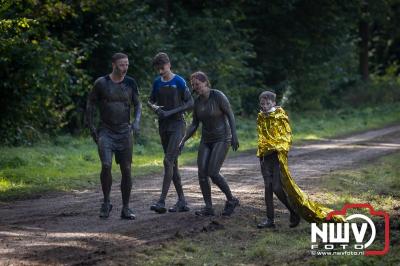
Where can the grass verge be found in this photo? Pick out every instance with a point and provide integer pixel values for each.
(236, 241)
(66, 163)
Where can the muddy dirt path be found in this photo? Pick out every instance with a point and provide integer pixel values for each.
(66, 229)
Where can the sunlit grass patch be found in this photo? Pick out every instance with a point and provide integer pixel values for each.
(5, 184)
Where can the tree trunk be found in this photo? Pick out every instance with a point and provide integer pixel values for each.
(167, 9)
(364, 37)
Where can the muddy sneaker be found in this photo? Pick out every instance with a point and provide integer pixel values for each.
(230, 206)
(205, 212)
(267, 223)
(294, 220)
(127, 214)
(180, 206)
(105, 210)
(158, 207)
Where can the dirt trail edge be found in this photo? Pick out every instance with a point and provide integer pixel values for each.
(66, 229)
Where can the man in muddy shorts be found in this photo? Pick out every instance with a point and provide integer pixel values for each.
(113, 95)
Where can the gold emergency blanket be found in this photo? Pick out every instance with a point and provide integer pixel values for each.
(274, 134)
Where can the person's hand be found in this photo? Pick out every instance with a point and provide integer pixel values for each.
(181, 145)
(94, 135)
(153, 107)
(162, 114)
(235, 143)
(135, 128)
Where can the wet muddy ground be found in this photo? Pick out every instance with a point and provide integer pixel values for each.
(66, 229)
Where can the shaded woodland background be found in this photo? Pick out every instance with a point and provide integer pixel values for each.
(315, 55)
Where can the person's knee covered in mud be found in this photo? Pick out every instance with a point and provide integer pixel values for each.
(106, 166)
(125, 169)
(168, 162)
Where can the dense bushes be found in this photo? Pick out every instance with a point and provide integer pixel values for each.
(51, 51)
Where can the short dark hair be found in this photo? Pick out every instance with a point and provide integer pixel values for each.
(199, 75)
(160, 59)
(269, 95)
(118, 56)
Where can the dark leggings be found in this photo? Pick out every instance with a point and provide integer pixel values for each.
(271, 173)
(170, 141)
(210, 158)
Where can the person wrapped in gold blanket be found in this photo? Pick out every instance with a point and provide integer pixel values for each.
(274, 140)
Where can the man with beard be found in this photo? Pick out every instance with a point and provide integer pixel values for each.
(113, 95)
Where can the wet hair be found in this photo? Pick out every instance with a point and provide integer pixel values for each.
(269, 95)
(160, 59)
(201, 76)
(118, 56)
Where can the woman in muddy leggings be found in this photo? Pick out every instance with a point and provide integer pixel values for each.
(213, 110)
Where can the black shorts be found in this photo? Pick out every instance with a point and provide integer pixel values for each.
(110, 142)
(171, 135)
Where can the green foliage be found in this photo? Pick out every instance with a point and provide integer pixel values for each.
(213, 43)
(52, 51)
(40, 79)
(296, 42)
(380, 90)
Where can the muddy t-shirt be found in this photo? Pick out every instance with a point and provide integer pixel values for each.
(212, 113)
(170, 95)
(114, 101)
